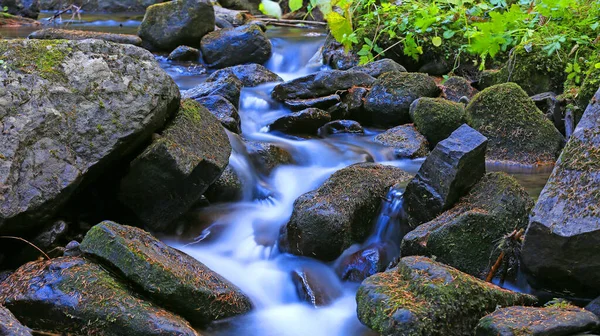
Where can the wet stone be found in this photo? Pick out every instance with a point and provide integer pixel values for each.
(10, 326)
(184, 53)
(65, 34)
(320, 102)
(341, 126)
(406, 141)
(307, 121)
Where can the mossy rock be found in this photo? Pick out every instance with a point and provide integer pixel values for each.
(10, 326)
(171, 24)
(517, 130)
(588, 88)
(389, 100)
(166, 179)
(170, 277)
(67, 34)
(561, 319)
(12, 21)
(74, 296)
(421, 297)
(534, 71)
(437, 118)
(25, 8)
(466, 236)
(405, 140)
(340, 213)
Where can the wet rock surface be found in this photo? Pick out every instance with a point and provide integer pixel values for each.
(553, 320)
(66, 34)
(406, 141)
(172, 173)
(233, 46)
(378, 68)
(517, 130)
(171, 24)
(320, 102)
(437, 118)
(223, 110)
(561, 242)
(451, 169)
(170, 277)
(328, 220)
(302, 122)
(341, 126)
(184, 53)
(10, 326)
(423, 297)
(250, 75)
(466, 236)
(455, 88)
(122, 97)
(390, 97)
(73, 295)
(321, 84)
(267, 156)
(316, 287)
(228, 87)
(363, 263)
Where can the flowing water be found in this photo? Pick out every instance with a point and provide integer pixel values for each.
(238, 240)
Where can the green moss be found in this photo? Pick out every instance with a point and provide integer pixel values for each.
(437, 118)
(43, 57)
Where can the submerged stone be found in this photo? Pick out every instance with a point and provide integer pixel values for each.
(424, 297)
(451, 169)
(170, 277)
(64, 34)
(329, 219)
(302, 122)
(172, 173)
(72, 295)
(233, 46)
(406, 141)
(561, 242)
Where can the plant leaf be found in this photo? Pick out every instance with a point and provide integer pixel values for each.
(295, 5)
(436, 41)
(270, 8)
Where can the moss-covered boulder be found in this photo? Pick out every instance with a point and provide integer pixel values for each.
(25, 8)
(405, 140)
(250, 75)
(223, 110)
(302, 122)
(328, 220)
(561, 242)
(588, 88)
(437, 118)
(172, 173)
(424, 297)
(517, 130)
(378, 68)
(74, 296)
(232, 46)
(559, 319)
(170, 24)
(227, 86)
(67, 34)
(466, 236)
(389, 100)
(452, 168)
(70, 110)
(534, 71)
(321, 84)
(170, 277)
(10, 326)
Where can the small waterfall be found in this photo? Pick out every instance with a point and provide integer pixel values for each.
(389, 224)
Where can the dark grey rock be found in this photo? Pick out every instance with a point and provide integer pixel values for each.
(322, 103)
(363, 263)
(267, 156)
(184, 53)
(228, 87)
(406, 141)
(172, 173)
(328, 220)
(171, 24)
(10, 326)
(47, 238)
(321, 84)
(223, 110)
(437, 118)
(250, 75)
(341, 126)
(378, 68)
(389, 100)
(228, 188)
(455, 87)
(122, 97)
(316, 286)
(233, 46)
(451, 169)
(562, 240)
(302, 122)
(72, 249)
(336, 57)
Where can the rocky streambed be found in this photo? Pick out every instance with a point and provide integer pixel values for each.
(209, 174)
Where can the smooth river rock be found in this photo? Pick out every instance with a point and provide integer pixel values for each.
(406, 141)
(321, 83)
(233, 46)
(47, 146)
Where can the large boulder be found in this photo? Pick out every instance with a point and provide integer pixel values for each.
(25, 8)
(223, 110)
(517, 130)
(10, 326)
(451, 169)
(328, 220)
(170, 277)
(559, 319)
(302, 122)
(67, 34)
(437, 118)
(424, 297)
(232, 46)
(561, 242)
(466, 236)
(74, 296)
(102, 6)
(406, 141)
(321, 84)
(172, 173)
(171, 24)
(69, 110)
(250, 75)
(389, 100)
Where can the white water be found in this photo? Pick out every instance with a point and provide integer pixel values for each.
(241, 242)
